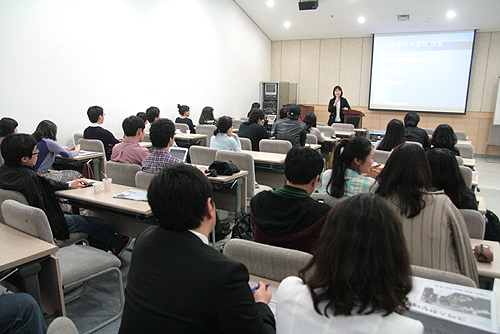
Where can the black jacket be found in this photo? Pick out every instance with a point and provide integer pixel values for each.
(333, 110)
(292, 130)
(253, 131)
(419, 135)
(39, 192)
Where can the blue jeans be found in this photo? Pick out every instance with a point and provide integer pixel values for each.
(20, 314)
(99, 234)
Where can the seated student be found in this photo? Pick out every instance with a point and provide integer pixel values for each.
(179, 284)
(224, 138)
(288, 217)
(310, 121)
(394, 135)
(291, 128)
(95, 131)
(282, 115)
(152, 113)
(144, 117)
(162, 137)
(7, 126)
(446, 176)
(352, 172)
(444, 137)
(358, 279)
(413, 133)
(129, 151)
(20, 314)
(45, 135)
(255, 105)
(20, 154)
(207, 116)
(185, 112)
(434, 229)
(254, 129)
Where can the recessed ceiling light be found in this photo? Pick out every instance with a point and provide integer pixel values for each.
(286, 24)
(270, 3)
(451, 14)
(361, 19)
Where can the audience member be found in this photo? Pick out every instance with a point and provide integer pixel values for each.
(336, 106)
(20, 314)
(129, 151)
(310, 121)
(20, 154)
(291, 128)
(224, 138)
(434, 229)
(177, 282)
(207, 116)
(45, 135)
(413, 133)
(162, 137)
(358, 279)
(446, 176)
(152, 113)
(282, 115)
(185, 112)
(288, 217)
(444, 137)
(255, 105)
(7, 126)
(144, 117)
(96, 131)
(352, 158)
(254, 129)
(394, 135)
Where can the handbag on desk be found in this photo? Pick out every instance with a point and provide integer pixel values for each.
(224, 167)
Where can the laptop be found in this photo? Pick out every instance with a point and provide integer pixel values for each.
(179, 152)
(271, 118)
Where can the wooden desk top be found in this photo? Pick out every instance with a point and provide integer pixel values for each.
(489, 269)
(464, 142)
(345, 133)
(267, 157)
(333, 140)
(315, 146)
(18, 248)
(469, 162)
(79, 157)
(189, 136)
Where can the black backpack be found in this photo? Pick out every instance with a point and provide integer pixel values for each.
(242, 228)
(492, 227)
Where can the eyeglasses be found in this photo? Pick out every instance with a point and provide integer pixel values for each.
(35, 153)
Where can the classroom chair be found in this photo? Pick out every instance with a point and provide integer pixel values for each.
(62, 325)
(143, 179)
(78, 263)
(244, 119)
(146, 138)
(77, 137)
(475, 223)
(181, 127)
(206, 129)
(201, 155)
(381, 156)
(237, 123)
(460, 160)
(466, 150)
(311, 139)
(343, 127)
(320, 124)
(429, 131)
(414, 143)
(327, 130)
(461, 135)
(122, 173)
(467, 175)
(95, 145)
(441, 275)
(493, 139)
(275, 146)
(326, 198)
(246, 144)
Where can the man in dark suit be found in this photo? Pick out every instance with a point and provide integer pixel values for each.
(179, 284)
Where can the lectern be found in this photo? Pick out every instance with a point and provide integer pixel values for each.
(354, 117)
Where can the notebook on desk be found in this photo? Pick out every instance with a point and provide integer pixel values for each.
(82, 152)
(179, 152)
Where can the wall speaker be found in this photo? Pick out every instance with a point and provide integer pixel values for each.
(307, 5)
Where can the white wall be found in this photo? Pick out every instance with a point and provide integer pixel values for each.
(58, 57)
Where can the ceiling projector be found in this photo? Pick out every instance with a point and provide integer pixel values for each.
(307, 5)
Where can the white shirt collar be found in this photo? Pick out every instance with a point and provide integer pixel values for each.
(201, 236)
(95, 124)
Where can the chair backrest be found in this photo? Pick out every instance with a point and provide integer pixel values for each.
(320, 123)
(146, 138)
(143, 179)
(429, 131)
(311, 139)
(182, 127)
(327, 130)
(77, 137)
(122, 173)
(414, 143)
(475, 223)
(381, 156)
(467, 175)
(271, 262)
(201, 155)
(237, 123)
(466, 150)
(441, 275)
(27, 219)
(461, 135)
(275, 146)
(494, 137)
(206, 129)
(12, 195)
(460, 160)
(244, 119)
(246, 144)
(328, 199)
(94, 145)
(244, 161)
(343, 127)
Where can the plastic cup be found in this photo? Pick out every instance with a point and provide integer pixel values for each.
(97, 188)
(107, 184)
(188, 131)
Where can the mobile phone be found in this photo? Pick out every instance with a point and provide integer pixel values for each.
(89, 184)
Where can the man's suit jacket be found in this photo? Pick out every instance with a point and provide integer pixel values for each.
(177, 284)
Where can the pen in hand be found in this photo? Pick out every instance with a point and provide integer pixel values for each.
(255, 288)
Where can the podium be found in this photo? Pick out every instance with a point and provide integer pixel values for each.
(354, 117)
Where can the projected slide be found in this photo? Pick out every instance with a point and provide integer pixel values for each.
(421, 72)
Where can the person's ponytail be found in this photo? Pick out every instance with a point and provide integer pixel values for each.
(336, 185)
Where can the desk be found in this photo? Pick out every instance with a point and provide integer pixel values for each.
(469, 162)
(488, 271)
(146, 144)
(269, 168)
(464, 142)
(362, 132)
(97, 161)
(315, 146)
(17, 249)
(190, 139)
(344, 133)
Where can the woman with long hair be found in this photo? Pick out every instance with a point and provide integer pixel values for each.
(434, 229)
(444, 137)
(352, 159)
(358, 279)
(446, 176)
(45, 135)
(207, 116)
(310, 121)
(184, 111)
(394, 136)
(224, 138)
